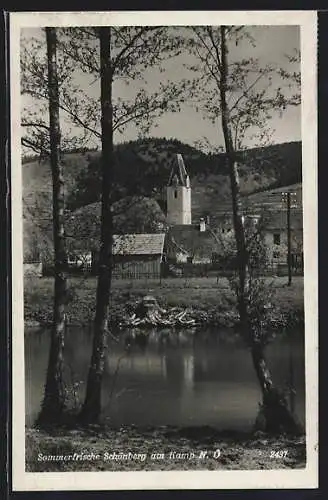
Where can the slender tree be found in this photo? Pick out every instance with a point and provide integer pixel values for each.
(54, 394)
(92, 404)
(233, 94)
(131, 52)
(123, 55)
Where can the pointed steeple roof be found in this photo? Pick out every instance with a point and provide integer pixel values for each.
(179, 174)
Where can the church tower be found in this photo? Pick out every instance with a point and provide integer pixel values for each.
(178, 194)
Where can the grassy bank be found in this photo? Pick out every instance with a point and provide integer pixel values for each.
(208, 299)
(100, 449)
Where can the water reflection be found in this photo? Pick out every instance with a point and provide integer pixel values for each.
(177, 377)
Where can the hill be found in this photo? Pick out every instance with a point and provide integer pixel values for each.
(273, 198)
(260, 168)
(142, 167)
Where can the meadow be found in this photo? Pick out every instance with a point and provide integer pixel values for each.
(211, 298)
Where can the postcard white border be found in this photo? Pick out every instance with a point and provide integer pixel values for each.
(302, 478)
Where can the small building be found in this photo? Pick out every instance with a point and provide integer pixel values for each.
(276, 238)
(138, 255)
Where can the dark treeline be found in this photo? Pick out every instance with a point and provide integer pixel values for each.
(148, 162)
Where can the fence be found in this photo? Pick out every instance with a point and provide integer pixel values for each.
(137, 269)
(155, 269)
(189, 270)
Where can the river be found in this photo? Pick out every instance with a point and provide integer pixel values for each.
(180, 377)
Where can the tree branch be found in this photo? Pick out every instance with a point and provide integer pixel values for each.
(35, 124)
(127, 47)
(208, 49)
(79, 121)
(34, 146)
(215, 47)
(244, 94)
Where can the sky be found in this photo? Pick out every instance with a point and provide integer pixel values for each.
(188, 125)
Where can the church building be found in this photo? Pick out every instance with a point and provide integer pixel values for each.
(186, 242)
(178, 194)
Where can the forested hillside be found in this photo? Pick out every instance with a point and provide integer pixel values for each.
(142, 168)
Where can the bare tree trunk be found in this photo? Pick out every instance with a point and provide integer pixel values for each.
(274, 409)
(54, 395)
(92, 405)
(274, 415)
(235, 188)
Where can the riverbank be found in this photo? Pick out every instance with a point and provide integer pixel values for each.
(100, 448)
(209, 301)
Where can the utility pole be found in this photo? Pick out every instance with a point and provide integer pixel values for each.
(289, 255)
(287, 198)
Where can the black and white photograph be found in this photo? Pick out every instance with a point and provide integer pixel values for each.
(164, 250)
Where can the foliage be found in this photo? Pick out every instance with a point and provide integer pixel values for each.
(254, 92)
(245, 95)
(134, 50)
(132, 215)
(145, 165)
(232, 90)
(82, 185)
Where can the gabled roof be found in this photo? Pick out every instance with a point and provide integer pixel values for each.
(178, 172)
(138, 244)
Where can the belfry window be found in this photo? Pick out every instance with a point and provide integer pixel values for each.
(175, 193)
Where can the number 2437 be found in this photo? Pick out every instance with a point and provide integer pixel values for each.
(278, 453)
